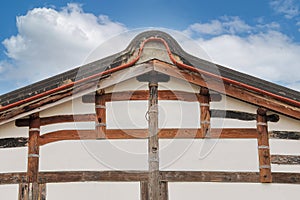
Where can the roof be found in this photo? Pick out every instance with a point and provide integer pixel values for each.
(11, 99)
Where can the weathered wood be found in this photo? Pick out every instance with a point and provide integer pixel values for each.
(42, 191)
(164, 190)
(263, 146)
(13, 142)
(33, 157)
(100, 114)
(288, 135)
(143, 134)
(23, 191)
(149, 76)
(13, 178)
(204, 111)
(58, 119)
(205, 176)
(144, 95)
(232, 114)
(142, 176)
(228, 89)
(30, 108)
(285, 159)
(153, 145)
(273, 118)
(282, 177)
(144, 194)
(77, 90)
(91, 176)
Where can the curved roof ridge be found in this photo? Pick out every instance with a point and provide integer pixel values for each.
(123, 56)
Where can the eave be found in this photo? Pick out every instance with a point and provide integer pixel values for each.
(183, 66)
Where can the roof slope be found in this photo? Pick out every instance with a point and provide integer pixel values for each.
(123, 57)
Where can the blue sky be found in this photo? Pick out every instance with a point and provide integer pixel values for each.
(258, 37)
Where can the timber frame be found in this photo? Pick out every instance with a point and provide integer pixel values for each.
(153, 183)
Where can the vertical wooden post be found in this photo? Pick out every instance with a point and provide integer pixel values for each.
(23, 191)
(153, 145)
(263, 146)
(144, 190)
(42, 191)
(204, 111)
(164, 193)
(33, 157)
(100, 114)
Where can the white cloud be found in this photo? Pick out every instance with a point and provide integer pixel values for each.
(270, 55)
(50, 41)
(226, 24)
(289, 8)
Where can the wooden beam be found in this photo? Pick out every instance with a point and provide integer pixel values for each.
(143, 134)
(88, 176)
(263, 146)
(164, 190)
(287, 135)
(231, 177)
(144, 194)
(153, 144)
(228, 89)
(143, 95)
(142, 176)
(58, 119)
(285, 159)
(42, 191)
(232, 114)
(204, 111)
(33, 157)
(205, 176)
(100, 114)
(13, 142)
(23, 191)
(91, 117)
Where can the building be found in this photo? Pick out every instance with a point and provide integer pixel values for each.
(151, 122)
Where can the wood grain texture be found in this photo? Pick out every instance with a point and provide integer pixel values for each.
(263, 146)
(153, 142)
(58, 119)
(285, 159)
(138, 176)
(143, 95)
(287, 135)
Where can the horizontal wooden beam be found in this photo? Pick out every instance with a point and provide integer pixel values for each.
(91, 117)
(229, 133)
(13, 142)
(239, 115)
(285, 159)
(13, 178)
(58, 119)
(288, 135)
(143, 134)
(231, 114)
(243, 177)
(137, 176)
(196, 176)
(144, 95)
(86, 176)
